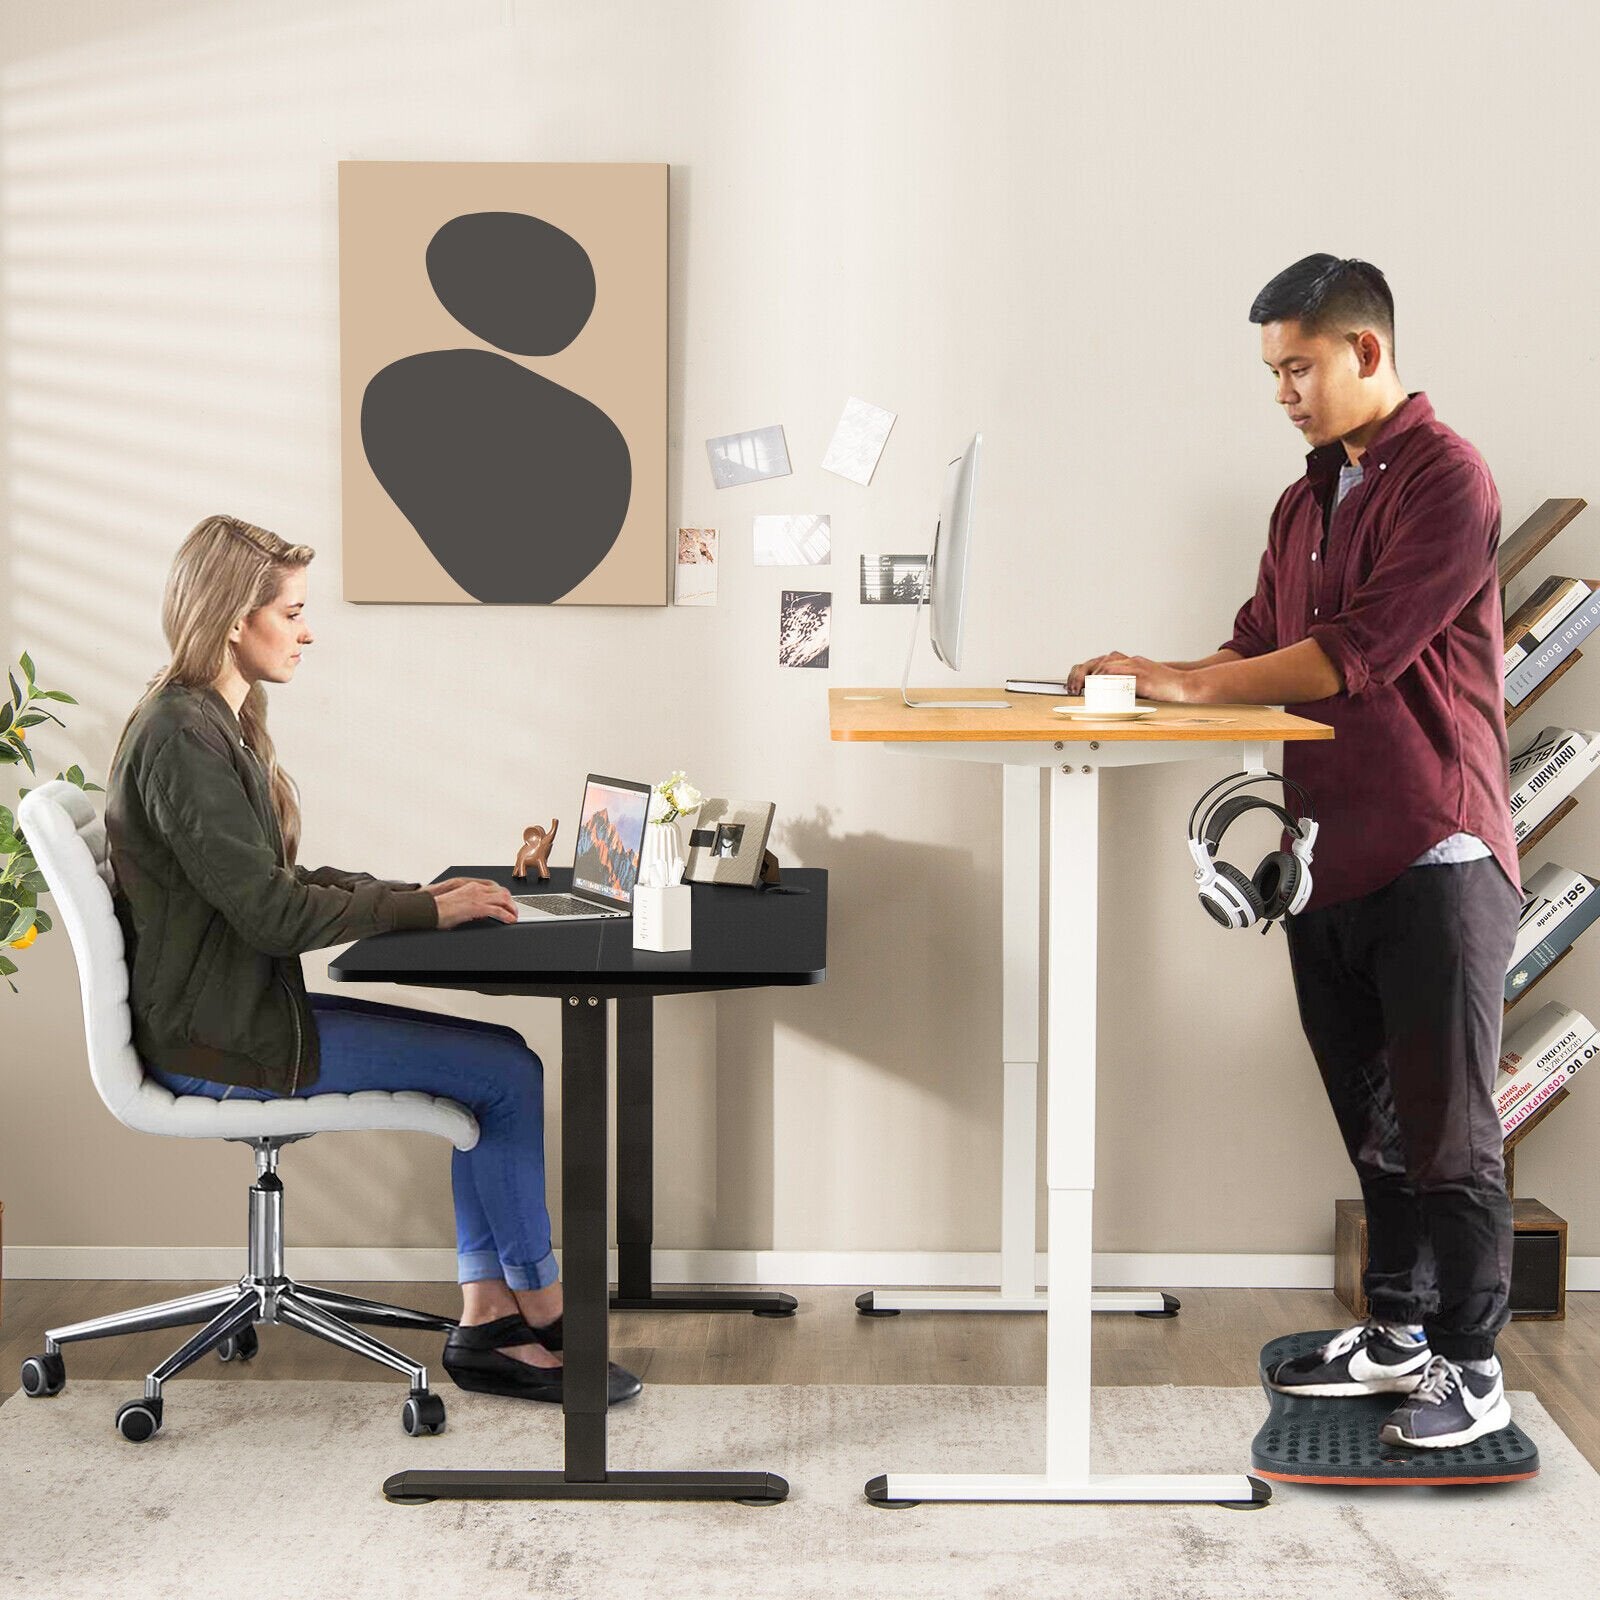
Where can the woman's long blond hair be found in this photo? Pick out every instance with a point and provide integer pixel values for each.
(222, 572)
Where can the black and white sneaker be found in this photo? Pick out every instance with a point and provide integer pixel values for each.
(1365, 1359)
(1452, 1405)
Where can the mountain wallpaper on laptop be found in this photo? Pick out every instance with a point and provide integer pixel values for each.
(603, 860)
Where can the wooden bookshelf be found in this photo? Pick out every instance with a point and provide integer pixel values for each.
(1540, 1252)
(1534, 534)
(1545, 826)
(1568, 661)
(1521, 1132)
(1518, 999)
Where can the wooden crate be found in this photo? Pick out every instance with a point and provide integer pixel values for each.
(1538, 1260)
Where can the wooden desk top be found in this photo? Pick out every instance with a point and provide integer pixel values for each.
(878, 715)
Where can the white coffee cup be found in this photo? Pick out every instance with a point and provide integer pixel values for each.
(1109, 691)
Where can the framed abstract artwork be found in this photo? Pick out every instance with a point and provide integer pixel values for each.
(503, 373)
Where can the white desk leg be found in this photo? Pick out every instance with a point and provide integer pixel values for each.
(1019, 1167)
(1069, 1177)
(1019, 1053)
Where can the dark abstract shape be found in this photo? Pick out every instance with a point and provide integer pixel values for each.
(518, 486)
(516, 281)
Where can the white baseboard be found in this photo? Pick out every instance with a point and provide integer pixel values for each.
(889, 1269)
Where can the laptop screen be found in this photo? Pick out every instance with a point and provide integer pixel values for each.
(610, 838)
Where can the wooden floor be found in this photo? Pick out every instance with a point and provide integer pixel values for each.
(1215, 1340)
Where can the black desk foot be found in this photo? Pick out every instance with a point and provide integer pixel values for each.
(762, 1303)
(1171, 1306)
(748, 1488)
(865, 1305)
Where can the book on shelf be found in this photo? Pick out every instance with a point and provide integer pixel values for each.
(1547, 771)
(1542, 1045)
(1550, 1088)
(1546, 656)
(1555, 941)
(1547, 896)
(1553, 601)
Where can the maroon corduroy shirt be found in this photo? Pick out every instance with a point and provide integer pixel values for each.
(1405, 601)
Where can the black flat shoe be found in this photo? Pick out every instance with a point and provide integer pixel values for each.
(473, 1360)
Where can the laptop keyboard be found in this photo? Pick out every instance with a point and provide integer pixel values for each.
(562, 905)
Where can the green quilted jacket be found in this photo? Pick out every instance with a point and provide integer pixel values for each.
(213, 915)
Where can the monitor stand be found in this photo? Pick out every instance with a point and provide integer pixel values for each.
(938, 705)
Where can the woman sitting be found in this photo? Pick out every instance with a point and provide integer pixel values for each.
(203, 827)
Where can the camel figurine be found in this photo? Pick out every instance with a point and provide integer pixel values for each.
(536, 844)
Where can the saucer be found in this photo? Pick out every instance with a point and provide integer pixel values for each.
(1104, 716)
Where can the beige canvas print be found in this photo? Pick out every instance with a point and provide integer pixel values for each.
(503, 350)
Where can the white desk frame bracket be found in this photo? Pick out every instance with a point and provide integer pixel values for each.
(1073, 910)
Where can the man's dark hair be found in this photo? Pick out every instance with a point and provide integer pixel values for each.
(1328, 295)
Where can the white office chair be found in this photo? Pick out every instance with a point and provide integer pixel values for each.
(68, 840)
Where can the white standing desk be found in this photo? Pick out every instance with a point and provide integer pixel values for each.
(1023, 740)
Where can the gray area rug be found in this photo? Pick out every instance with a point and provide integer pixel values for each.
(274, 1488)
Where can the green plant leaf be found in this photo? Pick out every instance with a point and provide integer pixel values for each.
(7, 713)
(30, 719)
(16, 693)
(10, 844)
(37, 882)
(42, 922)
(27, 755)
(23, 922)
(27, 667)
(75, 775)
(7, 967)
(8, 823)
(8, 756)
(55, 694)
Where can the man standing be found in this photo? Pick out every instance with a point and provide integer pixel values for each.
(1377, 610)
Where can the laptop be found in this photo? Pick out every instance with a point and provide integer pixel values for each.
(605, 865)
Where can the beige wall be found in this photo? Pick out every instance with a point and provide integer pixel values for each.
(1047, 220)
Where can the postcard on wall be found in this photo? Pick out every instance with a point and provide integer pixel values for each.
(503, 371)
(748, 457)
(805, 619)
(893, 580)
(794, 541)
(696, 571)
(858, 441)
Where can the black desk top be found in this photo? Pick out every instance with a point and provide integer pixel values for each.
(743, 938)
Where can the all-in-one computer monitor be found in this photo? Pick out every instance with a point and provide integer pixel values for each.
(947, 580)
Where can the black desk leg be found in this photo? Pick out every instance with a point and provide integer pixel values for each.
(586, 1353)
(636, 1289)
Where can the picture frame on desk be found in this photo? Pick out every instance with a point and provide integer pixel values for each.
(728, 841)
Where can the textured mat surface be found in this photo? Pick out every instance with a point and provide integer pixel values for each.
(1308, 1440)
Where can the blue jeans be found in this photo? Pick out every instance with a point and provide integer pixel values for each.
(502, 1224)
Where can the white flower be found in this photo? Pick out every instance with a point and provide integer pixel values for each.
(677, 798)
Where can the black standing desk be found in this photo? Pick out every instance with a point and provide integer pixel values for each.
(743, 939)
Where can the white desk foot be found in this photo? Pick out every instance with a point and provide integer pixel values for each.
(1236, 1491)
(889, 1302)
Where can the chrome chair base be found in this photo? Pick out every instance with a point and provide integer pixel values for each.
(263, 1294)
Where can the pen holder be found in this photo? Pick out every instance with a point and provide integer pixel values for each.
(661, 917)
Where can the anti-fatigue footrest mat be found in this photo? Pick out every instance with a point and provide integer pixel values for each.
(1308, 1440)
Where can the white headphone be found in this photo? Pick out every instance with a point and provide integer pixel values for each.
(1281, 885)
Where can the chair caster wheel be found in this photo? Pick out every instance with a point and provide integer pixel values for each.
(423, 1413)
(43, 1376)
(865, 1307)
(241, 1346)
(139, 1420)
